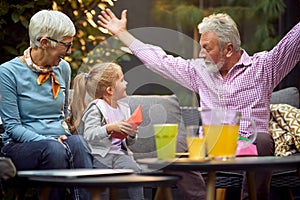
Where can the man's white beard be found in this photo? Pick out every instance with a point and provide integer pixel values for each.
(212, 67)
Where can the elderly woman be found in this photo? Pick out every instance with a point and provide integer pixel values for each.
(34, 89)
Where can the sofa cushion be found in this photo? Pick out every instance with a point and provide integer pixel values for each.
(156, 109)
(286, 96)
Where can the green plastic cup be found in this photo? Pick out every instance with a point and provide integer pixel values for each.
(165, 139)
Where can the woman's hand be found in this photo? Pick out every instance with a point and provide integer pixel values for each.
(109, 21)
(61, 139)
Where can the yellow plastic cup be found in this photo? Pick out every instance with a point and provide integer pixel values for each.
(165, 139)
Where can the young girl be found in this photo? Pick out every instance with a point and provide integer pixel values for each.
(105, 84)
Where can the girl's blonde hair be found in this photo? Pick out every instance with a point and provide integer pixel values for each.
(94, 84)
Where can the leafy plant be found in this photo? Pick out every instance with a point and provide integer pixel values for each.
(257, 16)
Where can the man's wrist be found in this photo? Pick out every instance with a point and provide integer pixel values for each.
(125, 37)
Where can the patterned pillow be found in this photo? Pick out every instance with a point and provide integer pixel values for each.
(285, 129)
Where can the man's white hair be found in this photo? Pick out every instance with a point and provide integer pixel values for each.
(225, 28)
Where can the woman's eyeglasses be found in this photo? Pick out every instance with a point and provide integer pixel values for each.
(67, 45)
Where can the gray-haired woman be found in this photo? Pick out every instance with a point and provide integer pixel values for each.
(34, 89)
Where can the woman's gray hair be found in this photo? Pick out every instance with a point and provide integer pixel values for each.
(49, 23)
(225, 28)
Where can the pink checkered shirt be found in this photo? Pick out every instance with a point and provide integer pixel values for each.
(246, 88)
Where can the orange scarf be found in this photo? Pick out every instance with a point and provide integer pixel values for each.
(44, 73)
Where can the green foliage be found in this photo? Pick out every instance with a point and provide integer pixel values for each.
(103, 54)
(176, 12)
(256, 16)
(14, 17)
(272, 9)
(188, 16)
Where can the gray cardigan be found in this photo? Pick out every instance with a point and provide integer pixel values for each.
(93, 126)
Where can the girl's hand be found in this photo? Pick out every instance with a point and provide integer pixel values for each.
(122, 127)
(133, 132)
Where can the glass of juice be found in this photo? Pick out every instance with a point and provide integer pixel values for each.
(221, 130)
(195, 142)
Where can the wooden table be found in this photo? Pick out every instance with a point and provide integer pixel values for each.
(97, 182)
(248, 164)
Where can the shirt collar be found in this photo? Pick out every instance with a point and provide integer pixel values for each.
(244, 60)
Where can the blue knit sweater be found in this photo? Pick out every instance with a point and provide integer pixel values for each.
(28, 110)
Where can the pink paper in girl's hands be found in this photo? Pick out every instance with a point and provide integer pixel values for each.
(135, 120)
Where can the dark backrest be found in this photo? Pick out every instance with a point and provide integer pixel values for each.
(288, 95)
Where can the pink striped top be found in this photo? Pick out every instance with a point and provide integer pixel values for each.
(246, 88)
